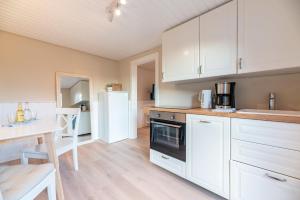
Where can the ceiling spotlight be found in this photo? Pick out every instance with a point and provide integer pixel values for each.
(114, 8)
(123, 2)
(117, 12)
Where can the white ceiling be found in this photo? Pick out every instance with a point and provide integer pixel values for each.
(68, 81)
(83, 24)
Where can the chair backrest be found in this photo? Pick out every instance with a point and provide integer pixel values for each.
(68, 118)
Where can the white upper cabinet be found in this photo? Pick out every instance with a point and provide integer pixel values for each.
(242, 36)
(206, 45)
(218, 41)
(269, 34)
(80, 92)
(208, 152)
(180, 52)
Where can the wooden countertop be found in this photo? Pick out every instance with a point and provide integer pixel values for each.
(209, 112)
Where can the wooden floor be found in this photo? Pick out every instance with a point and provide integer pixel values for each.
(122, 171)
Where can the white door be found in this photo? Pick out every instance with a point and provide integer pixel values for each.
(180, 52)
(218, 41)
(268, 34)
(251, 183)
(208, 152)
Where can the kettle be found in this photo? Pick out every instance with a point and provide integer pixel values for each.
(205, 99)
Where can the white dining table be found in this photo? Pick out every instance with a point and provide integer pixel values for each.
(37, 128)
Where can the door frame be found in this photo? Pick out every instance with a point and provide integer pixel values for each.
(94, 124)
(133, 89)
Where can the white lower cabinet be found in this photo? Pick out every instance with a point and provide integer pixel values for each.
(84, 123)
(280, 160)
(167, 162)
(208, 152)
(252, 183)
(263, 163)
(265, 160)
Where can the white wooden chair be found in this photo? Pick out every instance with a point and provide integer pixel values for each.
(25, 182)
(66, 139)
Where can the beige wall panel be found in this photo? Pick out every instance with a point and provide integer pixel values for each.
(27, 68)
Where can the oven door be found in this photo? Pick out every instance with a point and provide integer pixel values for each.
(168, 138)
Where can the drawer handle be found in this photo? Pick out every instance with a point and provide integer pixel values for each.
(164, 157)
(275, 178)
(204, 122)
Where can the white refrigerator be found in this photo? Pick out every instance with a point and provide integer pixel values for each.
(113, 116)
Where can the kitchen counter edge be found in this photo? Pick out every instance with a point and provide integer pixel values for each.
(209, 112)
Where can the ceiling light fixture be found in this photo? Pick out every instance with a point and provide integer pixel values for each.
(123, 2)
(117, 12)
(114, 9)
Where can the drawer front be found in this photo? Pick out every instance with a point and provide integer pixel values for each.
(267, 157)
(171, 164)
(285, 135)
(251, 183)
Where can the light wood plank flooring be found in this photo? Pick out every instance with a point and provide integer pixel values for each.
(122, 171)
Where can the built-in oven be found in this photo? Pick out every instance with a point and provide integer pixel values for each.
(167, 134)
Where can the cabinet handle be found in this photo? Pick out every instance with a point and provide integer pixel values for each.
(204, 122)
(164, 157)
(240, 63)
(275, 178)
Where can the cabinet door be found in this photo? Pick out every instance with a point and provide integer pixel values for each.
(208, 152)
(80, 92)
(76, 93)
(84, 123)
(268, 34)
(180, 52)
(85, 90)
(72, 96)
(249, 183)
(73, 92)
(218, 41)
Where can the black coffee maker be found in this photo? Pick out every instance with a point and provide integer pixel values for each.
(225, 98)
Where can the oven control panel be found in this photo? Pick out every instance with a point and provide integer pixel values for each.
(169, 116)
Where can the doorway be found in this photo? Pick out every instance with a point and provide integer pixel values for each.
(145, 91)
(74, 91)
(150, 92)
